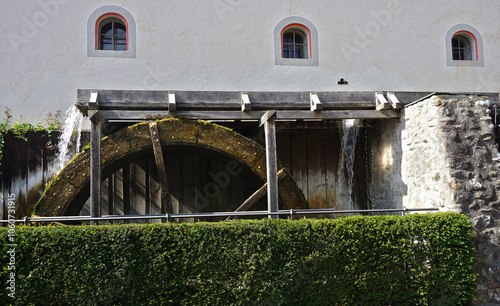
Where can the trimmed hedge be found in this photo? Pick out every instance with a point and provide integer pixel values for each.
(380, 260)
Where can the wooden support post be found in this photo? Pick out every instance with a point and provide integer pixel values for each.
(269, 121)
(256, 195)
(166, 200)
(95, 169)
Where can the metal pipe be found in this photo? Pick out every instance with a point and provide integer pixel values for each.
(290, 212)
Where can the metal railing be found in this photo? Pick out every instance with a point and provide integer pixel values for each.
(169, 217)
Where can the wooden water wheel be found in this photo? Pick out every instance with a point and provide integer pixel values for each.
(69, 190)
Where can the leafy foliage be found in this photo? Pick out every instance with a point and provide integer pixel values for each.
(381, 260)
(20, 129)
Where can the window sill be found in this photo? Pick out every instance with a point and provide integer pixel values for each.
(111, 53)
(466, 63)
(296, 62)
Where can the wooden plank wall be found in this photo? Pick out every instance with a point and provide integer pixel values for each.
(26, 169)
(312, 157)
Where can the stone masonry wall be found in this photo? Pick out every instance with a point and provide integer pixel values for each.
(443, 154)
(472, 156)
(425, 169)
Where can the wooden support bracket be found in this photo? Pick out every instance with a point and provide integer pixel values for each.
(172, 106)
(245, 102)
(394, 100)
(166, 199)
(315, 102)
(381, 102)
(94, 100)
(267, 116)
(93, 106)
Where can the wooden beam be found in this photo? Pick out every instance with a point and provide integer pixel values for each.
(380, 102)
(251, 200)
(336, 114)
(315, 102)
(172, 105)
(245, 102)
(394, 100)
(269, 120)
(166, 199)
(251, 115)
(95, 170)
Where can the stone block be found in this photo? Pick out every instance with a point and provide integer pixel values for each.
(481, 223)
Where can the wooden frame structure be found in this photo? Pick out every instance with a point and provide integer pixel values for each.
(105, 107)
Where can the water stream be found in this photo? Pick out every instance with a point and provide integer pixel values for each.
(69, 140)
(345, 172)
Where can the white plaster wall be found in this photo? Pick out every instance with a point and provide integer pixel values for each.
(228, 45)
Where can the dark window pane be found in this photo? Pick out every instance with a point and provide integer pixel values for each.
(113, 35)
(461, 48)
(107, 45)
(293, 44)
(120, 29)
(467, 54)
(107, 28)
(121, 45)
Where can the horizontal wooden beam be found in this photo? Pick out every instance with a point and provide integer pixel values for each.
(228, 100)
(232, 100)
(250, 115)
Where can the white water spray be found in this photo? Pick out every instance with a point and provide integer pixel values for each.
(68, 146)
(345, 172)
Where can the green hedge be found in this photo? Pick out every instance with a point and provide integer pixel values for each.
(412, 260)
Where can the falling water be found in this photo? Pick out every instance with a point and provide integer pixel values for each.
(68, 146)
(345, 172)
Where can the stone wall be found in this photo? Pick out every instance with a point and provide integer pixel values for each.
(442, 153)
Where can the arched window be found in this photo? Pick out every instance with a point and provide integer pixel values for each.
(112, 32)
(464, 46)
(296, 42)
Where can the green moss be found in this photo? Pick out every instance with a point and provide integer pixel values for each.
(43, 195)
